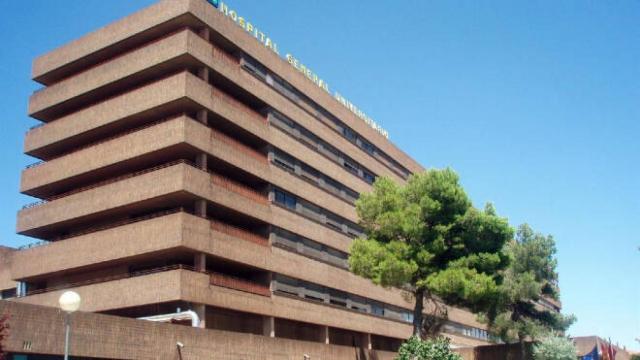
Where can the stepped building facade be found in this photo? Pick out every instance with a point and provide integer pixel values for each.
(186, 165)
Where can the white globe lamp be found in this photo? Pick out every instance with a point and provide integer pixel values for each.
(69, 301)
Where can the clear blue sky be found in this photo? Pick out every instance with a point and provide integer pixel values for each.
(535, 103)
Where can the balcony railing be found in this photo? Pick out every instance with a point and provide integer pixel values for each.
(35, 164)
(109, 181)
(111, 278)
(216, 279)
(38, 125)
(215, 225)
(219, 54)
(234, 283)
(127, 52)
(239, 188)
(102, 141)
(32, 245)
(120, 223)
(237, 145)
(238, 232)
(237, 105)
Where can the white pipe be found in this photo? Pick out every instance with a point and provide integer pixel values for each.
(183, 315)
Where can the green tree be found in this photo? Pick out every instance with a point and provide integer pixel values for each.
(530, 277)
(433, 349)
(426, 238)
(555, 348)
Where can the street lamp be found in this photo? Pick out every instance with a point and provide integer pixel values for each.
(69, 302)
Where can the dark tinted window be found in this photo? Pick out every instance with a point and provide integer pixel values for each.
(285, 199)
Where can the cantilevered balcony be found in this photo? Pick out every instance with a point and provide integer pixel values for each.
(134, 69)
(168, 185)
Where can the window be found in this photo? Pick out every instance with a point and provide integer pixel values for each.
(338, 254)
(310, 174)
(281, 121)
(284, 88)
(254, 68)
(308, 138)
(284, 164)
(284, 160)
(367, 146)
(350, 194)
(349, 134)
(353, 231)
(368, 177)
(332, 185)
(9, 293)
(313, 141)
(293, 94)
(310, 248)
(334, 222)
(291, 164)
(351, 167)
(407, 316)
(377, 308)
(337, 301)
(285, 199)
(310, 210)
(358, 303)
(330, 151)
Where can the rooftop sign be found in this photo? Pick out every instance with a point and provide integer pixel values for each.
(265, 40)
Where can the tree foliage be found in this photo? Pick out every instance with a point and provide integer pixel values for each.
(426, 237)
(530, 277)
(432, 349)
(555, 348)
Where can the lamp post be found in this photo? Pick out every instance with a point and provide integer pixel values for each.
(69, 302)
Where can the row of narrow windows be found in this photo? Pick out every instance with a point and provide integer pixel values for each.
(323, 294)
(306, 290)
(461, 329)
(311, 140)
(312, 175)
(315, 292)
(284, 88)
(316, 213)
(307, 247)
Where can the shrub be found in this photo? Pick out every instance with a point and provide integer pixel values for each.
(554, 348)
(432, 349)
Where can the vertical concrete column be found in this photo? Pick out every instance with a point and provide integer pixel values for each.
(202, 117)
(201, 310)
(272, 195)
(200, 262)
(200, 208)
(324, 335)
(272, 235)
(269, 326)
(205, 33)
(270, 155)
(203, 73)
(270, 281)
(366, 341)
(201, 161)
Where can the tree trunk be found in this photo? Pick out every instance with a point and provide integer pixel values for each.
(417, 313)
(523, 352)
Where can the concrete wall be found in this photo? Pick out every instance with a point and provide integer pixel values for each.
(103, 336)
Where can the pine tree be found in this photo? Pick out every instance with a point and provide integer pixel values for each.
(426, 238)
(530, 277)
